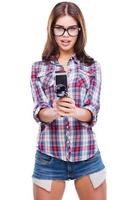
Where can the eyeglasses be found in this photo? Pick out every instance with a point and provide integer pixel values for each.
(71, 30)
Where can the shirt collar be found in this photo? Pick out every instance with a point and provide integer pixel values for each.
(73, 57)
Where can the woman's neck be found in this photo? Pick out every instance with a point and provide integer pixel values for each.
(64, 58)
(65, 55)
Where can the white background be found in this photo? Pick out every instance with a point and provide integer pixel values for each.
(110, 41)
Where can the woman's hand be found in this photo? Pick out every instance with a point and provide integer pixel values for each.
(65, 106)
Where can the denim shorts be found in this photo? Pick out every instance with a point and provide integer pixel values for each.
(50, 168)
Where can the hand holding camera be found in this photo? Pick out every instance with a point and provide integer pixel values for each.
(65, 106)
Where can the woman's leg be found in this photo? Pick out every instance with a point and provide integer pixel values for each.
(56, 193)
(86, 191)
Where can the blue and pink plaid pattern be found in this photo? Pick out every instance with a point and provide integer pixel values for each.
(67, 138)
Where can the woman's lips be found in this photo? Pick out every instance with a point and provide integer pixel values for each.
(65, 42)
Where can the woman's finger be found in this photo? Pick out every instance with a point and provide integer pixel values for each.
(65, 104)
(64, 109)
(66, 99)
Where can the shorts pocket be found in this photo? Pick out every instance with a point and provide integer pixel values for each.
(43, 159)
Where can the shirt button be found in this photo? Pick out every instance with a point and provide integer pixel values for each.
(68, 142)
(68, 138)
(67, 123)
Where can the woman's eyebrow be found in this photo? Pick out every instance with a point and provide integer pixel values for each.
(59, 25)
(64, 26)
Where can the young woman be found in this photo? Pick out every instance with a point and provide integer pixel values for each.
(66, 148)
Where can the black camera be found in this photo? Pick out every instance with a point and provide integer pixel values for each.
(61, 86)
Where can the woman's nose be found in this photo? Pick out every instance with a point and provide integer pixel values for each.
(65, 33)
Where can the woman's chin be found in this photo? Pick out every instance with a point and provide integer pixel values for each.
(67, 48)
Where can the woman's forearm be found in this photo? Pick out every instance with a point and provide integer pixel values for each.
(48, 115)
(82, 114)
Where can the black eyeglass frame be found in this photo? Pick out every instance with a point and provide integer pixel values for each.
(66, 29)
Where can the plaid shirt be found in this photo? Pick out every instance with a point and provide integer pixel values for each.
(67, 138)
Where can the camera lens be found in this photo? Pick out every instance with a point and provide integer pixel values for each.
(60, 90)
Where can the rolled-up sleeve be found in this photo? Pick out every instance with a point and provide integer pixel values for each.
(39, 98)
(92, 98)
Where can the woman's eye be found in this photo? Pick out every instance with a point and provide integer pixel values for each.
(74, 28)
(59, 28)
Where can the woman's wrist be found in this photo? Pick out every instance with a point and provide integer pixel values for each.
(48, 114)
(82, 114)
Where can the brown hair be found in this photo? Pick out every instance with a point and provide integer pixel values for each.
(51, 48)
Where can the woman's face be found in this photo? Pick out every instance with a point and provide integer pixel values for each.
(64, 40)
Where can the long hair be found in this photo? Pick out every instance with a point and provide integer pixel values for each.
(51, 47)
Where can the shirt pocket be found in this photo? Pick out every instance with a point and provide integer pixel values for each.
(46, 78)
(80, 86)
(43, 159)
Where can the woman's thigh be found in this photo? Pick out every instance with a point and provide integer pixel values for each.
(56, 193)
(86, 191)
